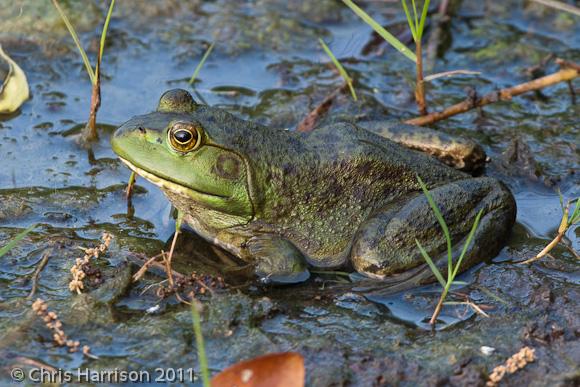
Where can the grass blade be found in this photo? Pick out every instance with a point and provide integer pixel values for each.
(442, 223)
(15, 240)
(75, 37)
(409, 20)
(339, 67)
(381, 31)
(201, 62)
(467, 243)
(415, 15)
(423, 18)
(105, 28)
(432, 265)
(576, 214)
(199, 343)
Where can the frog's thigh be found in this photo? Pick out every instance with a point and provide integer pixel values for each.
(277, 259)
(385, 244)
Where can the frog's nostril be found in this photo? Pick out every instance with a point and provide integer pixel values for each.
(141, 129)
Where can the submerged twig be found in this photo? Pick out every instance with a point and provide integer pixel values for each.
(36, 274)
(507, 94)
(559, 5)
(309, 122)
(565, 224)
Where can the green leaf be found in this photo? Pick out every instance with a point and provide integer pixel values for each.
(339, 67)
(467, 243)
(576, 214)
(15, 240)
(415, 14)
(75, 37)
(105, 28)
(200, 64)
(432, 265)
(423, 18)
(381, 31)
(409, 20)
(442, 223)
(202, 358)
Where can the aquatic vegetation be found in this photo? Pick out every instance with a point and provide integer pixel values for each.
(452, 270)
(90, 133)
(201, 63)
(515, 363)
(5, 249)
(203, 367)
(390, 38)
(78, 269)
(339, 67)
(53, 323)
(568, 220)
(417, 26)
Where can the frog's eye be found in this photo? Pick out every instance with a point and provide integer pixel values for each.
(185, 136)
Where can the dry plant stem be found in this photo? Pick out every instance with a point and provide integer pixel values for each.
(562, 229)
(310, 121)
(41, 265)
(151, 263)
(90, 133)
(141, 272)
(438, 307)
(420, 85)
(130, 185)
(169, 257)
(563, 75)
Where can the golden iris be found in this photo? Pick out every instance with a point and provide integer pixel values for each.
(184, 136)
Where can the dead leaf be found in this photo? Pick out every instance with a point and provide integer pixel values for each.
(14, 87)
(272, 370)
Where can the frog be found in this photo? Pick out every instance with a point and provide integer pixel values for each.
(341, 196)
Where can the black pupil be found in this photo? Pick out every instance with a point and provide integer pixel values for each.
(183, 136)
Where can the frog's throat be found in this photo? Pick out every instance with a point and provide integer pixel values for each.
(169, 185)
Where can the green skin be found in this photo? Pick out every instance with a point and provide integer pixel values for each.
(338, 196)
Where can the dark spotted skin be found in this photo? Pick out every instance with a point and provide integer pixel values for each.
(340, 195)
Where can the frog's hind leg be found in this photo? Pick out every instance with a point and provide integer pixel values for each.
(458, 152)
(385, 244)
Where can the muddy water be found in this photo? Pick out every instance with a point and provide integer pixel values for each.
(268, 67)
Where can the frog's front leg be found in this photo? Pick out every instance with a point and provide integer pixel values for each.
(385, 244)
(276, 259)
(458, 152)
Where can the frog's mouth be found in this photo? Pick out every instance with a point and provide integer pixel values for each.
(167, 184)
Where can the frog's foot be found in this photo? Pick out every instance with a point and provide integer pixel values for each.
(457, 152)
(277, 260)
(385, 244)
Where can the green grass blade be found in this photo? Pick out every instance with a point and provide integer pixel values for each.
(381, 31)
(75, 37)
(200, 64)
(200, 345)
(105, 29)
(442, 223)
(432, 265)
(15, 240)
(423, 18)
(415, 14)
(467, 243)
(409, 20)
(339, 67)
(576, 214)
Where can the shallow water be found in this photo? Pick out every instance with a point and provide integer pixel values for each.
(267, 66)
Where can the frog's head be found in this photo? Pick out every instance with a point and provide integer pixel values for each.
(189, 150)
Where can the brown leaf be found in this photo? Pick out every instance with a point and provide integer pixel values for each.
(272, 370)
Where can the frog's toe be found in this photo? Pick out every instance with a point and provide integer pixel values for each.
(277, 260)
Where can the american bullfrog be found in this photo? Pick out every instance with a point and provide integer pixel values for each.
(338, 196)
